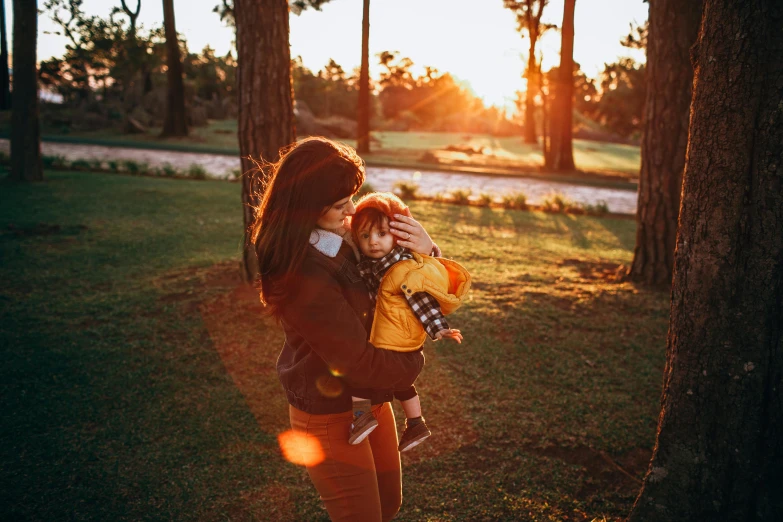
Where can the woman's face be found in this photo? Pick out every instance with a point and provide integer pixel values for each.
(334, 215)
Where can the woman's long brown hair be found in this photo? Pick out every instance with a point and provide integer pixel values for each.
(310, 176)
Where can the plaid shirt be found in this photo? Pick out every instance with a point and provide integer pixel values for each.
(424, 306)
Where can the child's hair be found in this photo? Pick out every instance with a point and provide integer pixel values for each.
(374, 210)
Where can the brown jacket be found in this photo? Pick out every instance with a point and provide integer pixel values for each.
(326, 352)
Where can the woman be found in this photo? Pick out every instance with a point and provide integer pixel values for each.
(309, 281)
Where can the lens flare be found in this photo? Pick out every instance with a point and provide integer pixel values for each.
(336, 372)
(300, 449)
(329, 386)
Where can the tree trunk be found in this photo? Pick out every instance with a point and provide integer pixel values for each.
(530, 135)
(5, 88)
(719, 449)
(674, 26)
(266, 110)
(175, 122)
(363, 121)
(25, 131)
(561, 153)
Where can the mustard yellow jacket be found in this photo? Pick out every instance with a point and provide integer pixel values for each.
(395, 326)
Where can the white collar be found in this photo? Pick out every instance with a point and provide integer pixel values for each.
(326, 242)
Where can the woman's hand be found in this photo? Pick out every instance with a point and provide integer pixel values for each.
(411, 234)
(450, 333)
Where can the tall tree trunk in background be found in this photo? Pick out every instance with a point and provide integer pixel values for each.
(266, 101)
(674, 26)
(561, 149)
(528, 14)
(719, 449)
(529, 129)
(175, 122)
(5, 91)
(25, 131)
(363, 120)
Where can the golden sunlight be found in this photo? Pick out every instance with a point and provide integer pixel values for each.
(300, 449)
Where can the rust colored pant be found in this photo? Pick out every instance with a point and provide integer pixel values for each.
(361, 483)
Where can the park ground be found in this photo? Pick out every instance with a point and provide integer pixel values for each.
(138, 379)
(459, 152)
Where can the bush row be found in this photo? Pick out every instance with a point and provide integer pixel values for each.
(555, 203)
(408, 190)
(134, 168)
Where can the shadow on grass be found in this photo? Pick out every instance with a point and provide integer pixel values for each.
(139, 382)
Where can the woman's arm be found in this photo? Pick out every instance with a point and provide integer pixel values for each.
(411, 234)
(321, 315)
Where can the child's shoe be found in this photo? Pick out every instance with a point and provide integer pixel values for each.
(361, 427)
(413, 436)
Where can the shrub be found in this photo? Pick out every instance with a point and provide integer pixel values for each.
(406, 189)
(366, 188)
(96, 165)
(461, 196)
(517, 200)
(599, 209)
(131, 167)
(114, 166)
(5, 159)
(168, 170)
(53, 162)
(196, 171)
(485, 199)
(236, 175)
(559, 203)
(81, 164)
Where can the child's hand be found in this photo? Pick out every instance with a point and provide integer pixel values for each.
(449, 333)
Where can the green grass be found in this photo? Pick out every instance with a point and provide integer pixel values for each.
(138, 376)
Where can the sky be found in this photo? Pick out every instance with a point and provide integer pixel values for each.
(474, 40)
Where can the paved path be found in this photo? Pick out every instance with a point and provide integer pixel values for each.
(381, 178)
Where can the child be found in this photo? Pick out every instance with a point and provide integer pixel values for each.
(404, 312)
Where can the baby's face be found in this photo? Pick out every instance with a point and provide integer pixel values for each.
(374, 242)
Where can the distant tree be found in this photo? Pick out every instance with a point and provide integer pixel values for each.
(25, 128)
(620, 106)
(719, 448)
(109, 51)
(211, 75)
(363, 113)
(175, 122)
(132, 16)
(673, 29)
(560, 153)
(529, 14)
(266, 110)
(5, 90)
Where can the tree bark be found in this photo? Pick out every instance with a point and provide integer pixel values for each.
(266, 113)
(719, 449)
(674, 26)
(25, 131)
(561, 153)
(529, 130)
(5, 88)
(175, 121)
(363, 119)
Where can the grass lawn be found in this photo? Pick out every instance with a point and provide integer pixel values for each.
(138, 375)
(403, 149)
